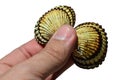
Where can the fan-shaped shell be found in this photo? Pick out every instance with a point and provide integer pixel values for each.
(92, 45)
(92, 40)
(51, 21)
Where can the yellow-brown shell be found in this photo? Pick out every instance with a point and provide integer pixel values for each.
(92, 40)
(70, 13)
(92, 45)
(51, 21)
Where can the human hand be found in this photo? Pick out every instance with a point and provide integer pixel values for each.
(32, 61)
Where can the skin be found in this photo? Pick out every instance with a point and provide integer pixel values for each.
(32, 61)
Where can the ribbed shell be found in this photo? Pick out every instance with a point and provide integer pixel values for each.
(70, 13)
(51, 21)
(92, 45)
(92, 40)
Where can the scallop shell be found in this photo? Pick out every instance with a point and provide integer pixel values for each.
(92, 45)
(51, 21)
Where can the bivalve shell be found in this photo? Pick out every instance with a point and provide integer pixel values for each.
(51, 21)
(92, 39)
(91, 45)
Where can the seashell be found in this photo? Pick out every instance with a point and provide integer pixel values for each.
(92, 40)
(51, 21)
(92, 45)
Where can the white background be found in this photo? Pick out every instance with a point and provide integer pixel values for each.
(18, 18)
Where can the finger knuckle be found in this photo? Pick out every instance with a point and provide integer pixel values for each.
(56, 53)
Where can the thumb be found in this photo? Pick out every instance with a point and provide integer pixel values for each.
(53, 56)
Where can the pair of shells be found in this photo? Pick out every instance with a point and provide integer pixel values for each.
(92, 41)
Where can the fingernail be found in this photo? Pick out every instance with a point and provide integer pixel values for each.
(64, 33)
